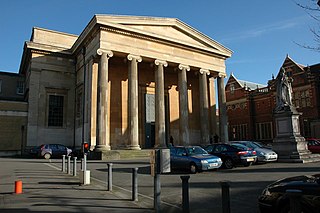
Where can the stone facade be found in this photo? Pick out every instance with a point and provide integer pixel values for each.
(125, 82)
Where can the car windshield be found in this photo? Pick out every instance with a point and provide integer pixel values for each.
(196, 150)
(256, 145)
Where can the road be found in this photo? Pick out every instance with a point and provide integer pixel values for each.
(246, 183)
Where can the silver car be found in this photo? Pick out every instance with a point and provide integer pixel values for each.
(263, 154)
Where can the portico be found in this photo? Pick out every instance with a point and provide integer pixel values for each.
(142, 80)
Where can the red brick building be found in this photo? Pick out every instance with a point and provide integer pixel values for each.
(250, 105)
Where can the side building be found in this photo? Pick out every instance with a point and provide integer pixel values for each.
(13, 113)
(250, 106)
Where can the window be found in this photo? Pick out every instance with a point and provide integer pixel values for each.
(239, 132)
(232, 88)
(55, 115)
(20, 87)
(0, 85)
(264, 131)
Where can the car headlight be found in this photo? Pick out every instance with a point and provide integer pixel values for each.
(266, 192)
(204, 161)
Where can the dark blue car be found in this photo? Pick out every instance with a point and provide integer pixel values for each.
(193, 159)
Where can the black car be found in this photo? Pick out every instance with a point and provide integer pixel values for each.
(275, 199)
(232, 155)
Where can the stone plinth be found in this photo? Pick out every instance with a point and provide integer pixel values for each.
(288, 143)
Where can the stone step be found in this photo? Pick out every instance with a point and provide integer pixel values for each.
(120, 154)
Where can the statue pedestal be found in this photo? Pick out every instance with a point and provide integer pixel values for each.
(288, 143)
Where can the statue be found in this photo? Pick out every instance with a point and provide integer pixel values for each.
(284, 91)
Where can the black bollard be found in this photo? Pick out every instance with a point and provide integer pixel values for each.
(225, 196)
(295, 197)
(185, 194)
(109, 187)
(134, 184)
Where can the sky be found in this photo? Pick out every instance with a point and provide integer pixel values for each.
(260, 33)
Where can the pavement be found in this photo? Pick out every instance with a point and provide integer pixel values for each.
(47, 189)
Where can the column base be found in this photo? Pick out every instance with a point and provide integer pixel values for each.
(101, 148)
(133, 147)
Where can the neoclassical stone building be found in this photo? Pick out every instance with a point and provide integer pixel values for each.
(125, 82)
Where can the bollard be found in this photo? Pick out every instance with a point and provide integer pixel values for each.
(225, 196)
(63, 163)
(134, 184)
(185, 194)
(69, 165)
(81, 164)
(84, 162)
(156, 192)
(109, 177)
(18, 187)
(294, 196)
(74, 166)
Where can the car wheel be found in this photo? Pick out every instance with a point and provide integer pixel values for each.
(228, 164)
(193, 168)
(247, 164)
(47, 156)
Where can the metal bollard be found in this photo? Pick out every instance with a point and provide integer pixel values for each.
(69, 165)
(74, 166)
(294, 196)
(225, 196)
(109, 177)
(81, 164)
(85, 162)
(156, 192)
(63, 169)
(134, 184)
(185, 194)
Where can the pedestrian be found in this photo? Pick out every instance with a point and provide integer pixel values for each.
(216, 138)
(171, 141)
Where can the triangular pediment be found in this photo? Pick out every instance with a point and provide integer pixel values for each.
(168, 29)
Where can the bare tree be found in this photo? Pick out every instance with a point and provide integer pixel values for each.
(313, 9)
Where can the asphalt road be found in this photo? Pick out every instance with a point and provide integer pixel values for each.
(246, 184)
(45, 185)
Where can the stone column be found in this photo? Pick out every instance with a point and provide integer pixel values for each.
(103, 142)
(223, 120)
(212, 107)
(204, 105)
(183, 105)
(133, 101)
(160, 104)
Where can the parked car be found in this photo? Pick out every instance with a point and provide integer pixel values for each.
(313, 145)
(232, 155)
(48, 151)
(192, 158)
(263, 154)
(274, 198)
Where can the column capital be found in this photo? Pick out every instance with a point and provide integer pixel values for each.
(102, 51)
(222, 75)
(184, 67)
(204, 71)
(130, 57)
(161, 62)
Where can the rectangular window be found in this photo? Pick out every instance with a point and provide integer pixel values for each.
(0, 85)
(264, 131)
(239, 132)
(55, 115)
(20, 87)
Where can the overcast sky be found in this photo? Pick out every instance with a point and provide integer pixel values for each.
(260, 33)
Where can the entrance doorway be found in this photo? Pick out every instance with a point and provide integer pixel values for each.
(150, 136)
